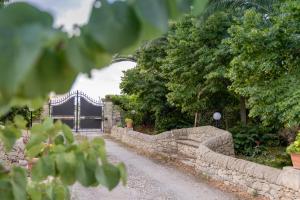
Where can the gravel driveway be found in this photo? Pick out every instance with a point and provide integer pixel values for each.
(148, 180)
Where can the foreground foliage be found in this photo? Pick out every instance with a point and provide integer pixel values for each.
(27, 76)
(38, 58)
(61, 162)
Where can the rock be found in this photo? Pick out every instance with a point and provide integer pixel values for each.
(290, 178)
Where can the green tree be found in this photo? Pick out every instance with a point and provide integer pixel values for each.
(237, 8)
(148, 84)
(195, 65)
(146, 80)
(265, 67)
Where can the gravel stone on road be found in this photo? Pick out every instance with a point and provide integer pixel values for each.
(148, 180)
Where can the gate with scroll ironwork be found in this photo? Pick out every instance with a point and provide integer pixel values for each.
(78, 111)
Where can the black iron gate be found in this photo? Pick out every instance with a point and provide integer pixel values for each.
(78, 111)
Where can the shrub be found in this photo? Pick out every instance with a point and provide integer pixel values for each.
(128, 120)
(295, 146)
(252, 140)
(170, 118)
(22, 111)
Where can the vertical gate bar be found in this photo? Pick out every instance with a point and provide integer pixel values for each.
(49, 107)
(102, 115)
(77, 113)
(102, 118)
(30, 119)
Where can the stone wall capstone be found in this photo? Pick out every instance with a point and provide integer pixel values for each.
(213, 151)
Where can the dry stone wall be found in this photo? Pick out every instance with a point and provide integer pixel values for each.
(214, 156)
(16, 156)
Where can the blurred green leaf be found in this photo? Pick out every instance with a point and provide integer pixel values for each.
(60, 192)
(17, 59)
(43, 168)
(123, 172)
(66, 165)
(34, 192)
(36, 139)
(68, 133)
(19, 182)
(20, 122)
(6, 187)
(59, 140)
(35, 150)
(114, 26)
(79, 55)
(85, 170)
(9, 135)
(108, 175)
(145, 10)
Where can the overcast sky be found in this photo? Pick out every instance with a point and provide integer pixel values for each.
(68, 13)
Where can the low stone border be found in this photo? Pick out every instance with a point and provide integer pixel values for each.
(214, 158)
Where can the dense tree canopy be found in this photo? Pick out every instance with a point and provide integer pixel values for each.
(183, 73)
(149, 85)
(196, 63)
(265, 67)
(205, 65)
(146, 80)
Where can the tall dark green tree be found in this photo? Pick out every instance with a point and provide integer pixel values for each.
(265, 67)
(196, 63)
(147, 82)
(237, 7)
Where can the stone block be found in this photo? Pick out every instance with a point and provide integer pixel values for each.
(289, 177)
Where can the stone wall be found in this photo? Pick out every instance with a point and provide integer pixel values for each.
(252, 177)
(16, 156)
(156, 144)
(213, 151)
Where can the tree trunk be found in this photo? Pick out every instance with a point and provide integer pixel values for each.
(196, 119)
(226, 121)
(197, 114)
(243, 111)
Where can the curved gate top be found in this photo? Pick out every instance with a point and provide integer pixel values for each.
(78, 111)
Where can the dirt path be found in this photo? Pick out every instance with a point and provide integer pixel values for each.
(149, 180)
